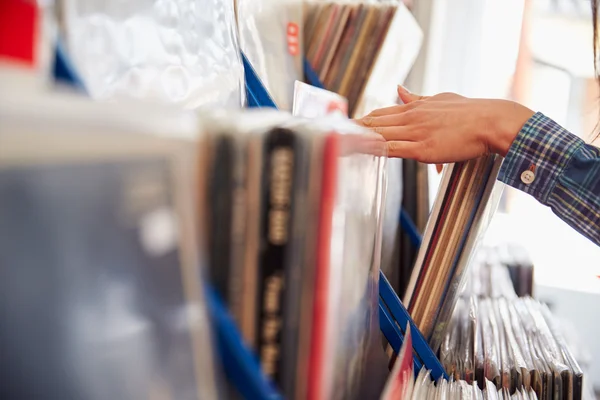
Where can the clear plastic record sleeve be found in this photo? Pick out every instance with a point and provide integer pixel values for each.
(520, 371)
(271, 37)
(422, 379)
(354, 355)
(467, 343)
(490, 343)
(505, 360)
(562, 374)
(447, 349)
(313, 102)
(479, 357)
(98, 224)
(177, 52)
(362, 194)
(575, 373)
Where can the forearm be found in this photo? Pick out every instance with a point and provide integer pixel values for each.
(559, 170)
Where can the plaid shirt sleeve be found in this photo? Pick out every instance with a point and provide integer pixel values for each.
(560, 170)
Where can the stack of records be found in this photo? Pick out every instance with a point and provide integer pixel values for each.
(501, 271)
(99, 253)
(512, 343)
(349, 43)
(461, 209)
(402, 384)
(293, 227)
(425, 388)
(488, 277)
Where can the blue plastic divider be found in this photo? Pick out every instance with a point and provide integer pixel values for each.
(62, 69)
(311, 76)
(410, 228)
(257, 94)
(398, 313)
(238, 361)
(393, 334)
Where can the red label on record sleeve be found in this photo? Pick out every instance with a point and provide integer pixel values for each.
(18, 26)
(292, 38)
(334, 106)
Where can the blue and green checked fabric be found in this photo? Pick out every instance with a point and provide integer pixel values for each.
(566, 169)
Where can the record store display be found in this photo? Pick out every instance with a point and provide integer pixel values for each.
(159, 240)
(425, 388)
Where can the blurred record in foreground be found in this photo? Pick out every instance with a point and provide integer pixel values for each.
(99, 256)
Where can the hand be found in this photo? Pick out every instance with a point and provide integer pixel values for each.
(447, 127)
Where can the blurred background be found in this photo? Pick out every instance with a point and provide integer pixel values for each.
(537, 52)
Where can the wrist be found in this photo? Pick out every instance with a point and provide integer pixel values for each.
(507, 120)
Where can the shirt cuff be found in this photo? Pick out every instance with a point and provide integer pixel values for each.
(538, 156)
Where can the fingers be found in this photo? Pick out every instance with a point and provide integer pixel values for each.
(400, 119)
(402, 149)
(406, 96)
(393, 127)
(402, 133)
(387, 111)
(397, 109)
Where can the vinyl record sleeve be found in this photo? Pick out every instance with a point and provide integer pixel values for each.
(313, 102)
(321, 46)
(340, 22)
(340, 58)
(459, 215)
(308, 274)
(221, 153)
(395, 58)
(295, 262)
(277, 209)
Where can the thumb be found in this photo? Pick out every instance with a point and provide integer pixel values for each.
(406, 96)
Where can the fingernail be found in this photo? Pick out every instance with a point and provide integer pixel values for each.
(367, 121)
(404, 89)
